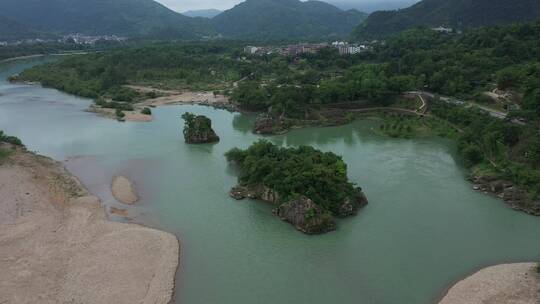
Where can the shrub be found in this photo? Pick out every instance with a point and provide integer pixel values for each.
(538, 267)
(10, 139)
(146, 111)
(151, 95)
(119, 113)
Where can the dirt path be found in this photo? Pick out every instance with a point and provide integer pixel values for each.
(57, 245)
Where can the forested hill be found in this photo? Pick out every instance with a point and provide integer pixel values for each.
(11, 30)
(456, 14)
(104, 17)
(286, 19)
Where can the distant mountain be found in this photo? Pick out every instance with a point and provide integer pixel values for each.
(98, 17)
(451, 13)
(369, 6)
(286, 19)
(11, 30)
(206, 13)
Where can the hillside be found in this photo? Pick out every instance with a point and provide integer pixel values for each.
(204, 13)
(285, 19)
(98, 17)
(11, 30)
(456, 14)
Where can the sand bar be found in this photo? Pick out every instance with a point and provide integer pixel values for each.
(124, 190)
(58, 246)
(505, 283)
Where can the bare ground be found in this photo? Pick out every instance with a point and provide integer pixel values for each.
(506, 283)
(57, 246)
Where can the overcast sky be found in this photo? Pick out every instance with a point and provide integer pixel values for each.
(366, 5)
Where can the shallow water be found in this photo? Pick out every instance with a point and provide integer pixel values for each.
(424, 228)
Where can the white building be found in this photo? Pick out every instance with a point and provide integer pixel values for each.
(442, 29)
(251, 50)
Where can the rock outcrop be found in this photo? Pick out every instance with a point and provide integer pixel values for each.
(304, 214)
(198, 129)
(255, 192)
(512, 195)
(352, 204)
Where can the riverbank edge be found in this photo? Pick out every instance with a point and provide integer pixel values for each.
(468, 283)
(44, 55)
(74, 194)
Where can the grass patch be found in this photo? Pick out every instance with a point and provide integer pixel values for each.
(4, 154)
(404, 126)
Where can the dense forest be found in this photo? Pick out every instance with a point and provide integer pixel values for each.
(166, 65)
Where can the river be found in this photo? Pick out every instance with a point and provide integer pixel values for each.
(424, 228)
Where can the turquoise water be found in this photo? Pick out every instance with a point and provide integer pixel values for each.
(424, 228)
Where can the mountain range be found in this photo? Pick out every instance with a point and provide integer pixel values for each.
(104, 17)
(251, 19)
(148, 18)
(457, 14)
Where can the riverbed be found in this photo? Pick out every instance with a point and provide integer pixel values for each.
(424, 229)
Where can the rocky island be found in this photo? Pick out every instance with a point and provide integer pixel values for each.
(198, 129)
(308, 188)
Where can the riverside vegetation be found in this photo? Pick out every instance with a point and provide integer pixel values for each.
(307, 187)
(327, 89)
(12, 141)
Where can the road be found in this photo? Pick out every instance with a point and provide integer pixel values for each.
(452, 100)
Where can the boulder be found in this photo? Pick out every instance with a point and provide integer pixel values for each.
(353, 203)
(306, 216)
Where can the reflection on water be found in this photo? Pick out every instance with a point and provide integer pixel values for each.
(423, 229)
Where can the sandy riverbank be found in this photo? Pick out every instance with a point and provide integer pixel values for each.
(179, 97)
(58, 246)
(168, 97)
(135, 115)
(124, 190)
(505, 283)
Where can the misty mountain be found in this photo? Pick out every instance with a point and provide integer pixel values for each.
(11, 30)
(100, 17)
(286, 19)
(370, 6)
(205, 13)
(456, 14)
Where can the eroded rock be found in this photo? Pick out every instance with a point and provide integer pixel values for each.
(306, 216)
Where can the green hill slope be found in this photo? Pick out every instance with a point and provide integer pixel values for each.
(456, 14)
(11, 30)
(100, 17)
(286, 19)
